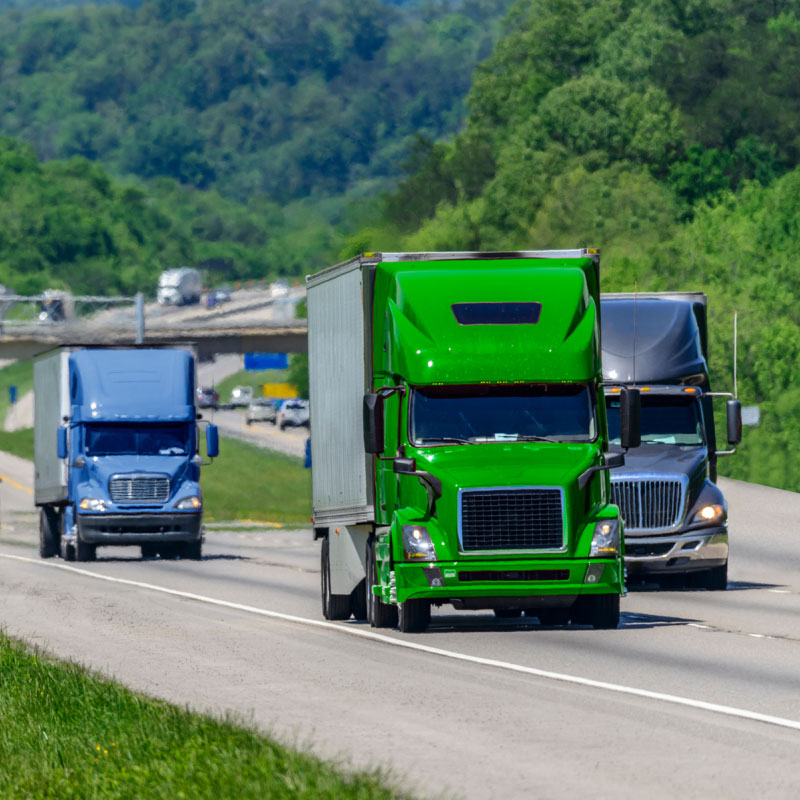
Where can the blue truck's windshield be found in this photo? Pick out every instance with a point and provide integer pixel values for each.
(666, 419)
(142, 440)
(557, 412)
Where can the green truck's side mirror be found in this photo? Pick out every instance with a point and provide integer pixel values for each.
(630, 415)
(734, 413)
(373, 423)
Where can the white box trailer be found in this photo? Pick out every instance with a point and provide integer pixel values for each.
(51, 408)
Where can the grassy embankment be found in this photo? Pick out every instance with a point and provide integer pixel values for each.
(252, 379)
(68, 734)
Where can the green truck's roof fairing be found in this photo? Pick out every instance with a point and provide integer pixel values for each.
(416, 334)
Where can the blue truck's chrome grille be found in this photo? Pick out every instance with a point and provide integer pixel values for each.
(139, 489)
(649, 503)
(511, 519)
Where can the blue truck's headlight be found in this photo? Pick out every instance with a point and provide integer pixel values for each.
(709, 514)
(189, 504)
(417, 544)
(605, 541)
(93, 504)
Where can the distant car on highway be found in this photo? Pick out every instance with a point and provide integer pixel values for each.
(207, 397)
(241, 396)
(216, 297)
(294, 414)
(280, 288)
(262, 410)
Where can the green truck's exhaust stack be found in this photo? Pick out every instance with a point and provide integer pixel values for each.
(459, 438)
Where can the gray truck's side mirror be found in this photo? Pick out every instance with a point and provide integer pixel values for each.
(212, 441)
(630, 415)
(373, 424)
(62, 442)
(734, 414)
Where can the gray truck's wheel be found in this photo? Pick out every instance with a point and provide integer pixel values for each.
(334, 606)
(379, 614)
(48, 532)
(601, 611)
(414, 616)
(715, 580)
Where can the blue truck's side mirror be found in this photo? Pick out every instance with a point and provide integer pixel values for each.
(62, 442)
(212, 441)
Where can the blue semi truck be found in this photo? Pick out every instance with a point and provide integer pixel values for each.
(116, 452)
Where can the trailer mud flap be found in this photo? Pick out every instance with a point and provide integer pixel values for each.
(348, 555)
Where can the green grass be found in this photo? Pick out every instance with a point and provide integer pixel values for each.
(250, 483)
(19, 374)
(19, 443)
(252, 379)
(69, 734)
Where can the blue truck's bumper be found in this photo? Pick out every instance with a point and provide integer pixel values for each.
(138, 528)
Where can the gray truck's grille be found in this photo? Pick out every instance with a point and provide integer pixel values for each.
(511, 519)
(139, 490)
(649, 504)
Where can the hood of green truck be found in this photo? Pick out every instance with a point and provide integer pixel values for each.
(418, 336)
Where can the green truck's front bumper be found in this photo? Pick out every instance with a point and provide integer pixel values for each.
(473, 583)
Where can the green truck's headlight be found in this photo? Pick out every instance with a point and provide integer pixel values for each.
(93, 504)
(417, 544)
(605, 541)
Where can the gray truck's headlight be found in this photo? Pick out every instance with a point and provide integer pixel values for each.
(417, 544)
(93, 504)
(605, 541)
(189, 504)
(709, 515)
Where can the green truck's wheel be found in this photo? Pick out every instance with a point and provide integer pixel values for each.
(48, 532)
(554, 616)
(414, 616)
(358, 601)
(601, 611)
(507, 613)
(379, 614)
(334, 606)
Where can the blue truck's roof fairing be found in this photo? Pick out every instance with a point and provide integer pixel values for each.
(131, 385)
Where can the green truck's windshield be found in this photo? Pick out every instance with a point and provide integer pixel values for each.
(137, 440)
(553, 412)
(666, 419)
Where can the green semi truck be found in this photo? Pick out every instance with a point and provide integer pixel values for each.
(459, 439)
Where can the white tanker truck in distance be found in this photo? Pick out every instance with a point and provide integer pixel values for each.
(180, 287)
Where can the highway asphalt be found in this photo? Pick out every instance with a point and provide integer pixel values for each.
(696, 694)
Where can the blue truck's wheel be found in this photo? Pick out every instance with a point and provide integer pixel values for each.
(85, 551)
(379, 614)
(334, 606)
(48, 532)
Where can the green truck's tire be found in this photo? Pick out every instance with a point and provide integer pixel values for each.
(334, 606)
(379, 614)
(48, 532)
(414, 616)
(601, 611)
(358, 601)
(507, 613)
(552, 617)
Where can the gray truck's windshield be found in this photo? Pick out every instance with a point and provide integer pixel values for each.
(550, 412)
(666, 419)
(142, 440)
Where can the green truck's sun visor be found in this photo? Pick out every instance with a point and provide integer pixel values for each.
(472, 321)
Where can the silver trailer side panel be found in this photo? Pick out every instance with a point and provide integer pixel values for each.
(51, 405)
(340, 372)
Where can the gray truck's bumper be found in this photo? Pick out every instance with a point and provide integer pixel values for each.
(676, 553)
(138, 528)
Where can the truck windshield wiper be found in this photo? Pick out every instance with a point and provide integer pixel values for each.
(445, 439)
(534, 439)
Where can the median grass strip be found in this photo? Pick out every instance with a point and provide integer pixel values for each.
(66, 733)
(19, 443)
(19, 374)
(253, 379)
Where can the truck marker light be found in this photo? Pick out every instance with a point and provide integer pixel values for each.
(690, 390)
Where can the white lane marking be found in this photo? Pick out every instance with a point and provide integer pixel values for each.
(377, 637)
(779, 591)
(698, 625)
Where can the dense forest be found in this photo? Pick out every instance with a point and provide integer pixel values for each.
(272, 136)
(662, 131)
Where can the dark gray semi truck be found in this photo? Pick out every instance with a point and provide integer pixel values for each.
(676, 517)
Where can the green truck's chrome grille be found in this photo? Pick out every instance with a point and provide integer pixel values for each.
(528, 518)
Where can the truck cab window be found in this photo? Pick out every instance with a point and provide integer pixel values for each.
(502, 413)
(142, 440)
(666, 419)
